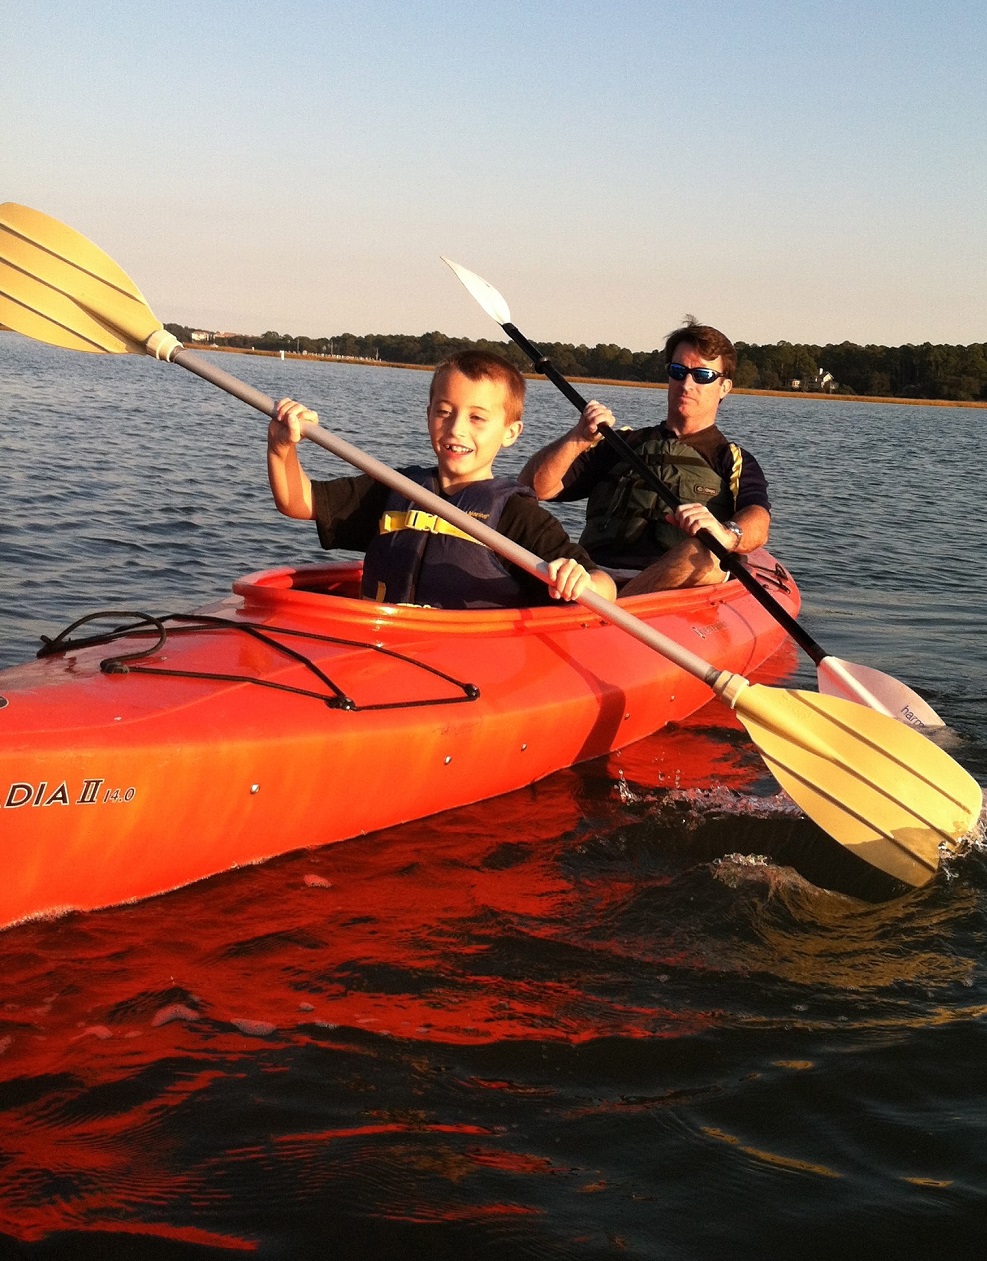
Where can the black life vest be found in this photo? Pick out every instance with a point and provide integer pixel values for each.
(625, 518)
(418, 558)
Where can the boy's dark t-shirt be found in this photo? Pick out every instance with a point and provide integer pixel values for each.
(347, 512)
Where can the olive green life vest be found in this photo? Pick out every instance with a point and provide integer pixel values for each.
(625, 519)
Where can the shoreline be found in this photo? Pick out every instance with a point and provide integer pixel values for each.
(637, 385)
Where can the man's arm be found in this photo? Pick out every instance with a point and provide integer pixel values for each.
(752, 512)
(754, 522)
(753, 507)
(756, 525)
(545, 471)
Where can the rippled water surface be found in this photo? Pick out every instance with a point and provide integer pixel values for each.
(637, 1010)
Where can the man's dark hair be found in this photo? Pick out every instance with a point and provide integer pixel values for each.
(710, 343)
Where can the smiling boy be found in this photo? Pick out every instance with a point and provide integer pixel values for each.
(411, 557)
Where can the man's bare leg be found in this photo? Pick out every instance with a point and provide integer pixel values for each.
(688, 564)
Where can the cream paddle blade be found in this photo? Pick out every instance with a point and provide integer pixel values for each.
(57, 287)
(878, 788)
(835, 677)
(884, 790)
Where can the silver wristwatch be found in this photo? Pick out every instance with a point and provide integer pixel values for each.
(734, 528)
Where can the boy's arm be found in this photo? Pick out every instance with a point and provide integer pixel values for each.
(290, 485)
(603, 584)
(570, 580)
(546, 468)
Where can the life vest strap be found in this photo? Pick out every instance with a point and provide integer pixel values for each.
(416, 519)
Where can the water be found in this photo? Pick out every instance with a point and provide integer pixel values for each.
(579, 1021)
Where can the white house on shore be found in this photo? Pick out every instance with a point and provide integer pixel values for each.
(823, 383)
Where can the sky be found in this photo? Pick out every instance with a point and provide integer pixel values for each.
(791, 171)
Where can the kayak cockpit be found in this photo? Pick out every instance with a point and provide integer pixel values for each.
(332, 589)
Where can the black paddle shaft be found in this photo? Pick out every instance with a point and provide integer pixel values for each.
(726, 558)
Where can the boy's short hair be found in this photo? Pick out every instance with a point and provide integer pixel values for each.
(477, 364)
(710, 343)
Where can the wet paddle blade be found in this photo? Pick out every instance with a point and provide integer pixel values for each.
(881, 789)
(880, 691)
(57, 287)
(482, 291)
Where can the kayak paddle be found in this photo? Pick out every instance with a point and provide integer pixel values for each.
(876, 786)
(836, 678)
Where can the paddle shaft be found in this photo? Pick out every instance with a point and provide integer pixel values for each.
(504, 547)
(726, 558)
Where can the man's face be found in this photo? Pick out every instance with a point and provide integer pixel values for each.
(691, 406)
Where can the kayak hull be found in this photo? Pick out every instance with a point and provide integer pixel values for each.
(291, 714)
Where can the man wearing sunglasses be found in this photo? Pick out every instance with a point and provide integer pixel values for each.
(721, 487)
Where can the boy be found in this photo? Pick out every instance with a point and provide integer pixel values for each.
(474, 410)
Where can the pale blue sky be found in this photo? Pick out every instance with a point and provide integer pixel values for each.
(805, 171)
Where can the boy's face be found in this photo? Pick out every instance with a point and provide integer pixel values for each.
(468, 426)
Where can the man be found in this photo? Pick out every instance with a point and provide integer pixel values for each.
(721, 486)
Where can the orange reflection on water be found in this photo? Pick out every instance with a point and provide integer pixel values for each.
(483, 926)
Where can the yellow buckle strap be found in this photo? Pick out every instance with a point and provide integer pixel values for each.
(416, 519)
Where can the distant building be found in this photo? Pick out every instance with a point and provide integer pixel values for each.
(200, 335)
(823, 383)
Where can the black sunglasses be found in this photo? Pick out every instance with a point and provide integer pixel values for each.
(701, 376)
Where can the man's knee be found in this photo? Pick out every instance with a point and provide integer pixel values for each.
(688, 564)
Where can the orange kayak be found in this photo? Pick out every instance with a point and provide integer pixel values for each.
(292, 714)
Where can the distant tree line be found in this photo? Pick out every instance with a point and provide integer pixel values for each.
(935, 372)
(926, 371)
